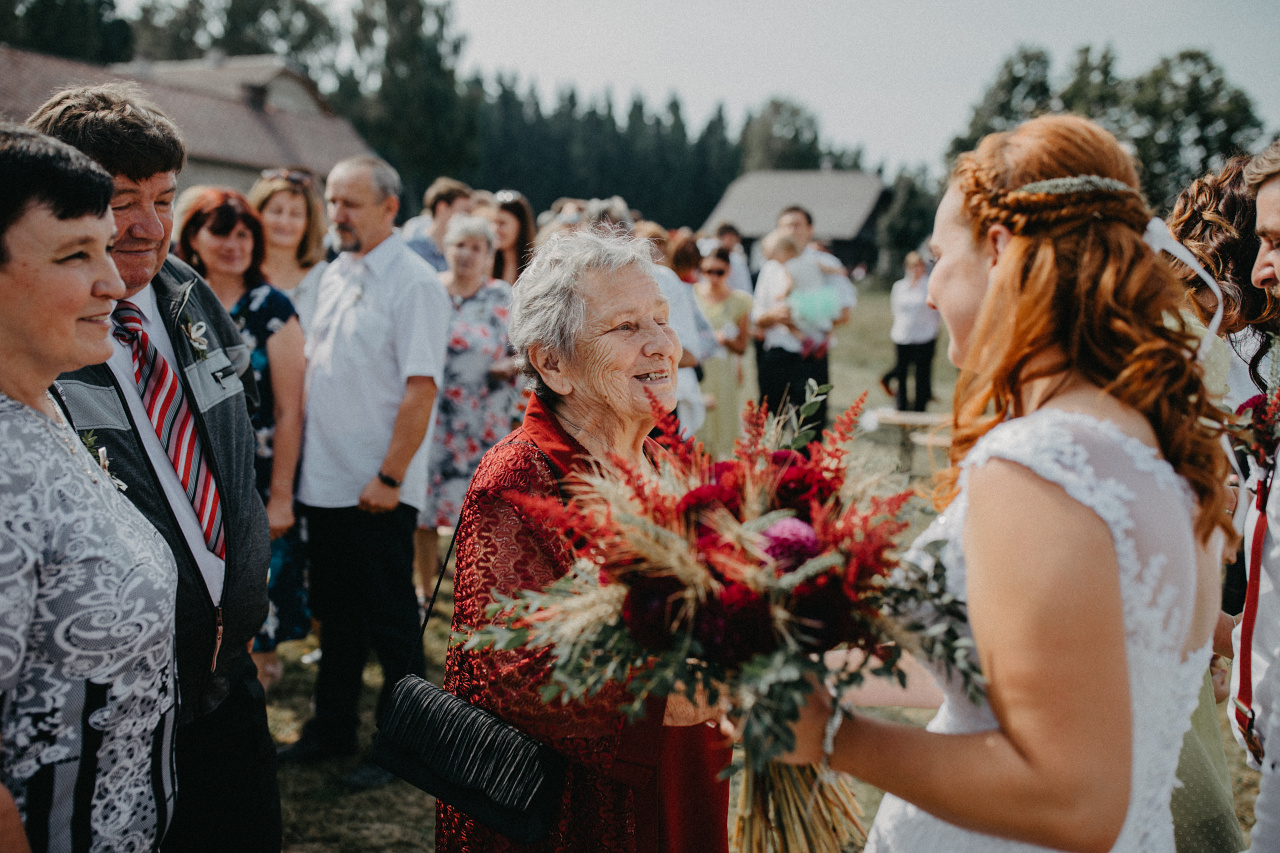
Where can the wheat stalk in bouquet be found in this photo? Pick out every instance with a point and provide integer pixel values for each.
(731, 579)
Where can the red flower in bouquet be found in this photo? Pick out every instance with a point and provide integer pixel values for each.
(1260, 434)
(735, 626)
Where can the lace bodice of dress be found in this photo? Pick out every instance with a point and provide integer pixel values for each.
(1148, 509)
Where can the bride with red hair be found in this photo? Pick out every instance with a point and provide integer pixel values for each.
(1083, 518)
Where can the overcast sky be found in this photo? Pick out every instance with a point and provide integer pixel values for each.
(898, 77)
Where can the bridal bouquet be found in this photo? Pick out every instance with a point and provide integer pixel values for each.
(728, 581)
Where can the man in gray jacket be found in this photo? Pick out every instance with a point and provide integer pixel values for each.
(171, 410)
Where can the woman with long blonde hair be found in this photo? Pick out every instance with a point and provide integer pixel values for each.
(1083, 519)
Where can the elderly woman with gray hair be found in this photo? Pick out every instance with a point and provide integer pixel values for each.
(478, 398)
(589, 325)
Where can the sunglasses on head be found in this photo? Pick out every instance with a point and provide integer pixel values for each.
(507, 196)
(715, 271)
(293, 176)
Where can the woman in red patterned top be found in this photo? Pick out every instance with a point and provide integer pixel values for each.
(589, 324)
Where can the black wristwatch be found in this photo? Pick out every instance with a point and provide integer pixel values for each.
(389, 481)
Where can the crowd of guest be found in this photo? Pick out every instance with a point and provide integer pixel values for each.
(258, 424)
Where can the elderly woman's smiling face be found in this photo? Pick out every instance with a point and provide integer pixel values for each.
(625, 350)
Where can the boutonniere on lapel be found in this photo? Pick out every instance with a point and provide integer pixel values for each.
(90, 441)
(195, 334)
(1257, 430)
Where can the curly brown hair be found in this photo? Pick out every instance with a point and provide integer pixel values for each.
(1214, 217)
(1077, 291)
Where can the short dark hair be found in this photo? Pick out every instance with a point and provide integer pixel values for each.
(221, 209)
(720, 253)
(728, 228)
(116, 125)
(446, 190)
(36, 169)
(795, 208)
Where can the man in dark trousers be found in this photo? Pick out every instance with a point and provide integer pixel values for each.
(170, 408)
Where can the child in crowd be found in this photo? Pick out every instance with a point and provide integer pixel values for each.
(814, 302)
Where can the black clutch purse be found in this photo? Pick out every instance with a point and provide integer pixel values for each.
(469, 758)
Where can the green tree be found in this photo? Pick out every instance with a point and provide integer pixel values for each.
(1182, 118)
(402, 92)
(1187, 119)
(784, 135)
(87, 30)
(163, 30)
(1021, 91)
(908, 220)
(297, 29)
(1095, 91)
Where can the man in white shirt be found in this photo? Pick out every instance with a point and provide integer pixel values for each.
(784, 363)
(1256, 640)
(375, 356)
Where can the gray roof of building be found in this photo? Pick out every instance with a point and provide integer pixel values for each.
(217, 129)
(840, 201)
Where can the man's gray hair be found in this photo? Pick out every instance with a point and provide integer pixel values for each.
(462, 227)
(1264, 166)
(386, 180)
(547, 307)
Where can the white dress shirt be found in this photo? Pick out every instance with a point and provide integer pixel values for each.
(771, 291)
(212, 568)
(914, 321)
(379, 320)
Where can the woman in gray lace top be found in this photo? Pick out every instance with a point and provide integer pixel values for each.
(87, 587)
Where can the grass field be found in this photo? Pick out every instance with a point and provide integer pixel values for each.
(321, 817)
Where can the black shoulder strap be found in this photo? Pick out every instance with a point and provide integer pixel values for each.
(439, 577)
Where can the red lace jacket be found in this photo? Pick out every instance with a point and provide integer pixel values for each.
(639, 788)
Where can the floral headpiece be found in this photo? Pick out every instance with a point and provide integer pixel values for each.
(1157, 235)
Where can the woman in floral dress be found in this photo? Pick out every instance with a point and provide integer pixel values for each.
(478, 403)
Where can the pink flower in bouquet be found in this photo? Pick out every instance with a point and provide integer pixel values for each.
(735, 626)
(791, 542)
(647, 609)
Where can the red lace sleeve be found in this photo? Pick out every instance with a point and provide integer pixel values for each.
(500, 552)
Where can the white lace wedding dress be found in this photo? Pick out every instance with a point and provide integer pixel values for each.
(1148, 509)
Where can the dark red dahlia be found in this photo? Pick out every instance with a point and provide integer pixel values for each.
(735, 626)
(824, 613)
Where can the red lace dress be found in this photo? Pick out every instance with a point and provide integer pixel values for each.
(641, 787)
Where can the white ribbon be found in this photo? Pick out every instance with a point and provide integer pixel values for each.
(1157, 236)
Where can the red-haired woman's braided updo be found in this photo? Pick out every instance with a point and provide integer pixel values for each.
(1076, 290)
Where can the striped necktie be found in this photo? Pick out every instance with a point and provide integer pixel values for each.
(166, 406)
